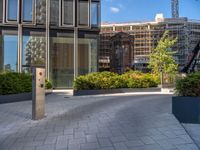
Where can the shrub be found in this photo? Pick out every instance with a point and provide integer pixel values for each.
(15, 83)
(109, 80)
(48, 84)
(188, 86)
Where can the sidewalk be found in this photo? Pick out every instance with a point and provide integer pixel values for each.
(110, 122)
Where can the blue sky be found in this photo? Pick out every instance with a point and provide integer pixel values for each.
(137, 10)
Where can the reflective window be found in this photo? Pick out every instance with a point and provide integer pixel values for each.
(54, 13)
(83, 10)
(62, 60)
(87, 54)
(41, 11)
(12, 10)
(8, 52)
(95, 14)
(1, 11)
(68, 9)
(34, 51)
(27, 10)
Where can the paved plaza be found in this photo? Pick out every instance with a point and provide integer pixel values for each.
(125, 122)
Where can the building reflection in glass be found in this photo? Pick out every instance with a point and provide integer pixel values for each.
(62, 60)
(8, 53)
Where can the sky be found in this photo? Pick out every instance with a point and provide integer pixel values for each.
(140, 10)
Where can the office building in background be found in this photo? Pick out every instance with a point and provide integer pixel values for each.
(127, 46)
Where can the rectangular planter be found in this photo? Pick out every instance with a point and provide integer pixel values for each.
(186, 109)
(15, 98)
(113, 91)
(19, 97)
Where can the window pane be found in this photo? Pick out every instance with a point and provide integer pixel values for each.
(62, 60)
(87, 54)
(94, 14)
(41, 11)
(54, 13)
(33, 52)
(12, 10)
(83, 13)
(1, 11)
(1, 52)
(27, 10)
(8, 52)
(68, 12)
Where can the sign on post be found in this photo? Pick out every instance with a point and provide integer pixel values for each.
(38, 93)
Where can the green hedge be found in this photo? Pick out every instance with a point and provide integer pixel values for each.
(188, 86)
(109, 80)
(14, 83)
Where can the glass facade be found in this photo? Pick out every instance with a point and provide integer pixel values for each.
(87, 53)
(28, 10)
(1, 12)
(67, 46)
(54, 13)
(34, 51)
(41, 11)
(8, 52)
(83, 11)
(68, 11)
(94, 14)
(12, 10)
(62, 60)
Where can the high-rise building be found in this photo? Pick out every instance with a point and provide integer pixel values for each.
(128, 45)
(175, 8)
(61, 35)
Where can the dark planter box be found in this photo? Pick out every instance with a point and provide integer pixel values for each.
(113, 91)
(19, 97)
(15, 98)
(186, 109)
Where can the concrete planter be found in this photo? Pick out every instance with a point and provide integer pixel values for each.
(113, 91)
(15, 98)
(186, 109)
(19, 97)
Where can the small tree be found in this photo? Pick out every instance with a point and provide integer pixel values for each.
(161, 58)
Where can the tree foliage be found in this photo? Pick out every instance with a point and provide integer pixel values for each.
(161, 58)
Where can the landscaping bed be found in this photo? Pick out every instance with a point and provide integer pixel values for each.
(15, 87)
(186, 103)
(108, 83)
(113, 91)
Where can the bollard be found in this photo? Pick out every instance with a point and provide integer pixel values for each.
(38, 93)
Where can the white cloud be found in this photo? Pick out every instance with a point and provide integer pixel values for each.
(114, 9)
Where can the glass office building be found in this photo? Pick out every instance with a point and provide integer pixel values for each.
(62, 35)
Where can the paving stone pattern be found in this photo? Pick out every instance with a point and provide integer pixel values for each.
(94, 123)
(194, 131)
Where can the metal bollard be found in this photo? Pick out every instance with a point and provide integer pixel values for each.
(38, 93)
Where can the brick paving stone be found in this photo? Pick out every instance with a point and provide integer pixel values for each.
(95, 123)
(104, 142)
(89, 146)
(46, 147)
(50, 140)
(120, 146)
